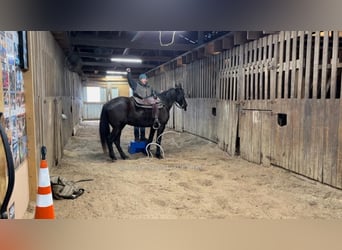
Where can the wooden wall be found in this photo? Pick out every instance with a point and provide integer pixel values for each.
(55, 91)
(297, 78)
(273, 100)
(50, 90)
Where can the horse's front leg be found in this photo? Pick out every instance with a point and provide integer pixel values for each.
(150, 137)
(149, 140)
(159, 138)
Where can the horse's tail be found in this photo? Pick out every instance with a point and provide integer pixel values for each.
(104, 129)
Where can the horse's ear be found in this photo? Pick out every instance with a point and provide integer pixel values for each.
(176, 85)
(179, 85)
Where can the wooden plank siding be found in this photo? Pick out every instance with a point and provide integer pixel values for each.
(56, 90)
(274, 100)
(250, 141)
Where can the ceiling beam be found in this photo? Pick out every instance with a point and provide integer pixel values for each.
(63, 40)
(253, 35)
(240, 37)
(124, 43)
(228, 42)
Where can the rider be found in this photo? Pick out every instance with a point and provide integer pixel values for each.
(142, 90)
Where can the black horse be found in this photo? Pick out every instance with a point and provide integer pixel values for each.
(122, 110)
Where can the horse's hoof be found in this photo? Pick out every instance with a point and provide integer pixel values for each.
(159, 157)
(125, 157)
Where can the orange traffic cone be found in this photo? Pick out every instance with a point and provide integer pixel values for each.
(44, 206)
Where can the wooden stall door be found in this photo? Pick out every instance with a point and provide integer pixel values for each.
(250, 135)
(303, 137)
(254, 131)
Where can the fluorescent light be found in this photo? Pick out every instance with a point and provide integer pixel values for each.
(112, 72)
(129, 60)
(114, 77)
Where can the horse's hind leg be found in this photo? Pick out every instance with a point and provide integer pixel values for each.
(110, 140)
(117, 144)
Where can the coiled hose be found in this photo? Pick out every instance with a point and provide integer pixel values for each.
(10, 173)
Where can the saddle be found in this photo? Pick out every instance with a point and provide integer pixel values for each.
(150, 103)
(147, 102)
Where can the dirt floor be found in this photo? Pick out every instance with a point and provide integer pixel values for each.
(195, 180)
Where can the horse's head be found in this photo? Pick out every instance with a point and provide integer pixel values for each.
(180, 99)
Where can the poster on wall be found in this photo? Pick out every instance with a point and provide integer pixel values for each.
(8, 130)
(22, 148)
(13, 96)
(2, 45)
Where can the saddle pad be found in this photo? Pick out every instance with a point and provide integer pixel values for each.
(144, 103)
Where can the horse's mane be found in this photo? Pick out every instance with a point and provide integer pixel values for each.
(169, 95)
(165, 94)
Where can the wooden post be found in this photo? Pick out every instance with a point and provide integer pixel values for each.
(281, 68)
(324, 63)
(308, 65)
(30, 123)
(301, 65)
(334, 64)
(3, 165)
(294, 66)
(315, 65)
(287, 64)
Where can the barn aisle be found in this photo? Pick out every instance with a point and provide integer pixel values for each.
(195, 180)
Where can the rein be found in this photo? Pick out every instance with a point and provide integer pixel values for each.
(178, 106)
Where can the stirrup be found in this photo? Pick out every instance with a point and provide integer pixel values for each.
(156, 124)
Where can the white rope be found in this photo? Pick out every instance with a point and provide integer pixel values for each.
(149, 153)
(167, 44)
(154, 143)
(167, 132)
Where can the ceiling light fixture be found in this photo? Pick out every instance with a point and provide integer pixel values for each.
(113, 77)
(112, 72)
(128, 60)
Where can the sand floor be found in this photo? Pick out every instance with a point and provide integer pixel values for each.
(195, 180)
